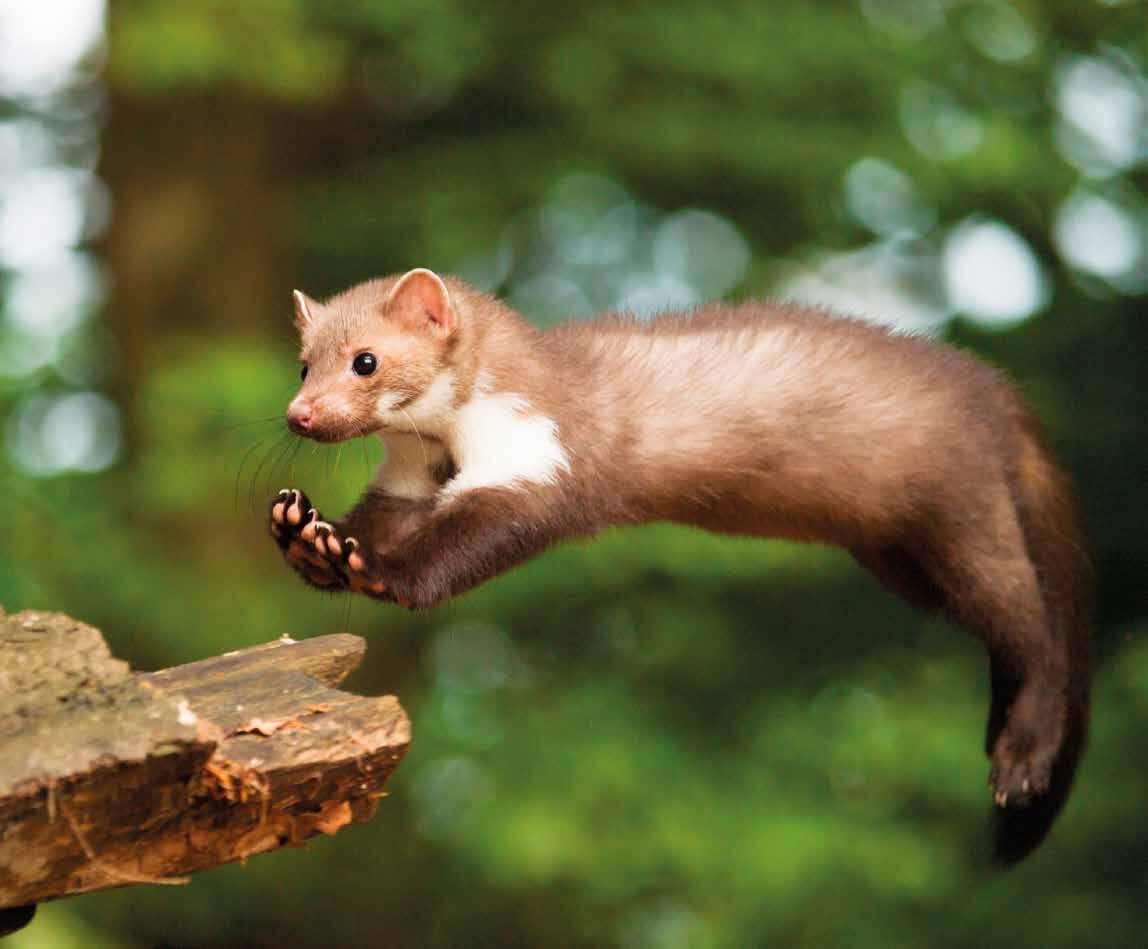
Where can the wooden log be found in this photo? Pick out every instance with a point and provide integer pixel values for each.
(110, 778)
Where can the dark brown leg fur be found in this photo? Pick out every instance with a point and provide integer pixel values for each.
(1015, 572)
(381, 521)
(985, 581)
(900, 573)
(471, 539)
(991, 587)
(411, 552)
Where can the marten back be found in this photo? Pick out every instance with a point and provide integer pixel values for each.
(831, 429)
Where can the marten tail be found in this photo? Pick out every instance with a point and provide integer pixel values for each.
(1056, 547)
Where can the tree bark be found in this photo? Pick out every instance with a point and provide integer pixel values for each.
(111, 778)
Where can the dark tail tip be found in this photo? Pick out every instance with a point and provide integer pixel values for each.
(1017, 832)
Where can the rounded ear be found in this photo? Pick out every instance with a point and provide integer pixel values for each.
(421, 301)
(305, 311)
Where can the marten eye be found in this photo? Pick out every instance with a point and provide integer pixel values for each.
(303, 372)
(365, 364)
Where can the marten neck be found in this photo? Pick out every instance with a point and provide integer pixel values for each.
(487, 419)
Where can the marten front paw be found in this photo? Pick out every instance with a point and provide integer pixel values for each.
(317, 551)
(293, 527)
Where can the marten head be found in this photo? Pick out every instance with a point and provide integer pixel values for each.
(375, 358)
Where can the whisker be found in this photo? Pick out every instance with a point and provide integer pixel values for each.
(274, 451)
(283, 462)
(242, 462)
(251, 421)
(255, 421)
(293, 457)
(418, 434)
(227, 413)
(268, 457)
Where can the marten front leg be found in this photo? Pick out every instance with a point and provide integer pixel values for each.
(465, 541)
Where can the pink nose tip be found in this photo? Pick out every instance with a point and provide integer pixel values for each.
(299, 419)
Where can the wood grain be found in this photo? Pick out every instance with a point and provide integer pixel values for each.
(111, 778)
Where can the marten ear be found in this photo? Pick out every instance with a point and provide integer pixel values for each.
(306, 310)
(421, 301)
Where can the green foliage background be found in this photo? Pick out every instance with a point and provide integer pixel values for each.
(661, 738)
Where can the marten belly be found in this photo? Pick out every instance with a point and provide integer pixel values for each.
(831, 500)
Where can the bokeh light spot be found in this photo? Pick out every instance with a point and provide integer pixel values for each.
(41, 43)
(991, 273)
(1098, 236)
(999, 31)
(51, 434)
(936, 124)
(1103, 105)
(884, 199)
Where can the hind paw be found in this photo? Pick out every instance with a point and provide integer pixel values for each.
(1018, 783)
(1025, 751)
(317, 550)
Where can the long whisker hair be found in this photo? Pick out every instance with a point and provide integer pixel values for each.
(347, 613)
(274, 455)
(284, 462)
(418, 434)
(265, 448)
(267, 420)
(242, 462)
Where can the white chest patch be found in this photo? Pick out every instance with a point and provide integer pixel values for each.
(498, 441)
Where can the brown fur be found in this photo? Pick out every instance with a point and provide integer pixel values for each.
(757, 419)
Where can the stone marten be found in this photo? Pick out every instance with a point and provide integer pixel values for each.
(754, 419)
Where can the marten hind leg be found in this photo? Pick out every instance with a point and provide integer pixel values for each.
(901, 573)
(990, 586)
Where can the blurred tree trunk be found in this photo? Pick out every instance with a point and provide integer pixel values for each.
(200, 242)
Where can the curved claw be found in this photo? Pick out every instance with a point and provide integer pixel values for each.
(355, 559)
(279, 507)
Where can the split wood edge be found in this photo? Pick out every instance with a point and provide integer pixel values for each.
(111, 778)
